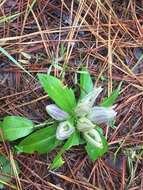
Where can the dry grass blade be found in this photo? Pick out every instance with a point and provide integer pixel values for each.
(14, 61)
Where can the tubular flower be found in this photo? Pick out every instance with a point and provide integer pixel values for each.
(86, 103)
(64, 130)
(94, 138)
(84, 124)
(87, 116)
(56, 113)
(100, 115)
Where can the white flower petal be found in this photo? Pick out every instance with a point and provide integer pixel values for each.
(56, 113)
(91, 96)
(100, 115)
(84, 124)
(64, 130)
(94, 138)
(82, 109)
(86, 103)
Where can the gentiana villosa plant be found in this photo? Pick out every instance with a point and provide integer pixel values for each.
(74, 121)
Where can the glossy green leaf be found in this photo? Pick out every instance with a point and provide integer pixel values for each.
(86, 83)
(64, 97)
(6, 171)
(109, 101)
(72, 141)
(15, 127)
(95, 152)
(42, 141)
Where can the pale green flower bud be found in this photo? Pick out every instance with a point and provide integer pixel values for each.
(93, 137)
(86, 103)
(84, 124)
(56, 113)
(100, 115)
(64, 130)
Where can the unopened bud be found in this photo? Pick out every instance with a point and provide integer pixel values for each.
(86, 103)
(93, 137)
(56, 113)
(84, 124)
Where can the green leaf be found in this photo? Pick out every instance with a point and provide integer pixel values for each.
(109, 101)
(57, 162)
(95, 152)
(6, 171)
(72, 141)
(15, 127)
(86, 83)
(42, 141)
(60, 94)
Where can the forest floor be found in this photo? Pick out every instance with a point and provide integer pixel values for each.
(107, 37)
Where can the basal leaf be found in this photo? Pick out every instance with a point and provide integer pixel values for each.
(86, 83)
(109, 101)
(95, 152)
(15, 127)
(60, 94)
(42, 141)
(72, 141)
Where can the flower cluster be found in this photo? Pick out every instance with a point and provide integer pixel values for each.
(87, 117)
